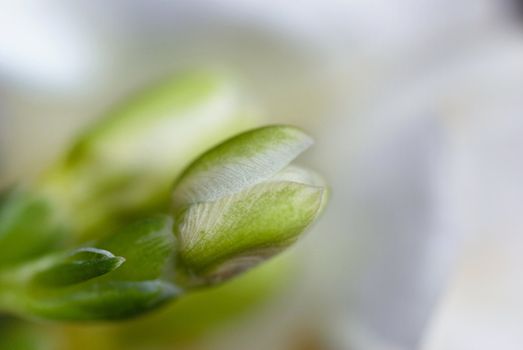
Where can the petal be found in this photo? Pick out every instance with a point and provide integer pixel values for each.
(221, 239)
(242, 161)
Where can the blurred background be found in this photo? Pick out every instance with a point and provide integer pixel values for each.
(417, 111)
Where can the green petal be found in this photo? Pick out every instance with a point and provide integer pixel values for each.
(239, 162)
(79, 266)
(223, 238)
(294, 173)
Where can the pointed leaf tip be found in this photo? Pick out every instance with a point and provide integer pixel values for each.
(81, 265)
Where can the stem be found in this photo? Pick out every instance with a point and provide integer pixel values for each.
(13, 283)
(11, 292)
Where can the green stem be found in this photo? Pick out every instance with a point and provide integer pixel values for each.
(14, 280)
(11, 293)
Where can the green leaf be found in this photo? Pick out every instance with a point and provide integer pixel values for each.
(223, 238)
(137, 286)
(108, 300)
(146, 245)
(78, 266)
(242, 161)
(207, 310)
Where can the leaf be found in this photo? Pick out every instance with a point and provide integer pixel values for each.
(146, 245)
(108, 300)
(204, 311)
(223, 238)
(137, 286)
(80, 265)
(242, 161)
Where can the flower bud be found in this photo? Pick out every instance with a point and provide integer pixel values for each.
(240, 203)
(124, 165)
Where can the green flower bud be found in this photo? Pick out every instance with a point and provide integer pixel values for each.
(124, 165)
(239, 203)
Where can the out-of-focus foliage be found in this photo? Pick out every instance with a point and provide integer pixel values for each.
(125, 165)
(29, 226)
